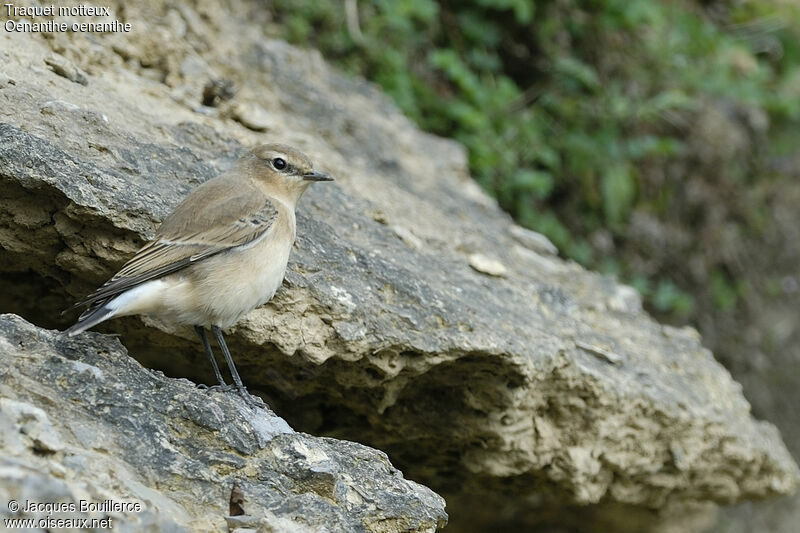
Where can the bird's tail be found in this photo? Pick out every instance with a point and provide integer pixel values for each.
(90, 318)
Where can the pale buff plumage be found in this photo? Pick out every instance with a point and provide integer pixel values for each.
(222, 252)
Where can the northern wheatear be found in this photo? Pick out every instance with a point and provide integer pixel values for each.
(221, 253)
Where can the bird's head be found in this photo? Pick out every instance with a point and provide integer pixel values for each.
(281, 170)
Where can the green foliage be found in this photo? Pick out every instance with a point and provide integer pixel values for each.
(669, 298)
(580, 116)
(724, 292)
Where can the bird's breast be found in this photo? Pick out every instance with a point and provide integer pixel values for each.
(231, 284)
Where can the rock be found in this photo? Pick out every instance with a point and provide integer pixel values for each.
(408, 237)
(111, 430)
(215, 91)
(64, 67)
(533, 240)
(252, 116)
(488, 389)
(487, 265)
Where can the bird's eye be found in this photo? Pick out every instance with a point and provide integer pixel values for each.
(279, 164)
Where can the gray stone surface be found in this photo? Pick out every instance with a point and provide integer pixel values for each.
(80, 420)
(543, 397)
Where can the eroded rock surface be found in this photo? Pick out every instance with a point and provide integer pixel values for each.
(81, 420)
(534, 386)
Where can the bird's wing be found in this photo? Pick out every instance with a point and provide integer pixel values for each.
(183, 241)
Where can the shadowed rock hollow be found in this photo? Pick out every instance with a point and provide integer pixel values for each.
(415, 317)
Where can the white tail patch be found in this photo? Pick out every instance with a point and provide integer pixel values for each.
(144, 297)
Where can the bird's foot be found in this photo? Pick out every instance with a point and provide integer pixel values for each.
(250, 399)
(221, 388)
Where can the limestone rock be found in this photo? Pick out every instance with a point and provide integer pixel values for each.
(83, 421)
(64, 67)
(488, 389)
(487, 265)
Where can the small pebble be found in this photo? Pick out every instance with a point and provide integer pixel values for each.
(533, 240)
(487, 265)
(407, 237)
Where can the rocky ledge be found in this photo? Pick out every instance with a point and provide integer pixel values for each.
(82, 421)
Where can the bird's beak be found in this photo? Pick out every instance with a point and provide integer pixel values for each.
(317, 176)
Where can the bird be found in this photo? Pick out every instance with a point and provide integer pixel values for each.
(218, 255)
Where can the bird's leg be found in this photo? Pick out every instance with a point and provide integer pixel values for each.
(201, 332)
(234, 374)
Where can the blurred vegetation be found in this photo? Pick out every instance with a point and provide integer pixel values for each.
(640, 136)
